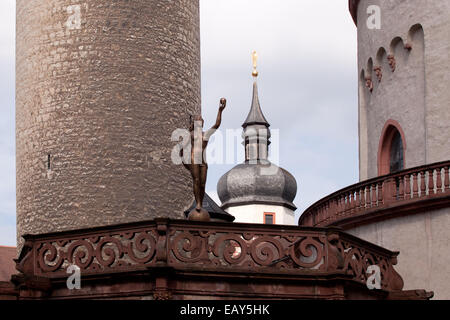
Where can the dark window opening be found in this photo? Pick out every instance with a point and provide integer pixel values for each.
(391, 152)
(48, 162)
(269, 218)
(396, 153)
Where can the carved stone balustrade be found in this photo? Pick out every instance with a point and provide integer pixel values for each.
(173, 250)
(406, 192)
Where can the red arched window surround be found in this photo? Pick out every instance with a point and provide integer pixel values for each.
(384, 148)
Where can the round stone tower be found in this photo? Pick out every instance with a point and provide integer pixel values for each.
(403, 84)
(100, 87)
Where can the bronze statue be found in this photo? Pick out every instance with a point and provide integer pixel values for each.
(198, 166)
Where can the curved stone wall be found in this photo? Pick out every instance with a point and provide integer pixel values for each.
(423, 241)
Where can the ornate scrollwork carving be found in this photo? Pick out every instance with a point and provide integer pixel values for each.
(227, 246)
(162, 295)
(188, 245)
(48, 258)
(143, 249)
(97, 253)
(264, 250)
(357, 260)
(108, 251)
(307, 253)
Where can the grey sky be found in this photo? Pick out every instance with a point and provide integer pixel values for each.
(7, 136)
(307, 85)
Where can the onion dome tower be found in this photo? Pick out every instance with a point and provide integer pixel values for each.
(258, 191)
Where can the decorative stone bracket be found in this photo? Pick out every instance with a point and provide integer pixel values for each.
(392, 62)
(369, 83)
(379, 73)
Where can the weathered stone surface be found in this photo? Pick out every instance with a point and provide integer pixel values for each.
(100, 86)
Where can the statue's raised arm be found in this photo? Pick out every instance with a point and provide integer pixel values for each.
(210, 132)
(223, 104)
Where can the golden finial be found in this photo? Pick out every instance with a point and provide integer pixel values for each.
(255, 63)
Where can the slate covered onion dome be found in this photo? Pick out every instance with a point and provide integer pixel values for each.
(246, 184)
(257, 180)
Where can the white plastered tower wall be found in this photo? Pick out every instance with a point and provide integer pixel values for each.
(416, 94)
(417, 97)
(254, 213)
(423, 241)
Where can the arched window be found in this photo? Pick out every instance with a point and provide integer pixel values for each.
(391, 152)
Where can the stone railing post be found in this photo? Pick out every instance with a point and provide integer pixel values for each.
(388, 190)
(162, 245)
(438, 180)
(415, 186)
(446, 179)
(430, 182)
(407, 187)
(423, 186)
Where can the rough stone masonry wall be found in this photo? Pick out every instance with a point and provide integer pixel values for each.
(100, 86)
(416, 95)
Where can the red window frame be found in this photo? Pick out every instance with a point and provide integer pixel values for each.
(272, 214)
(384, 146)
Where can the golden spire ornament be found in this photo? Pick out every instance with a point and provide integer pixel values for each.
(255, 64)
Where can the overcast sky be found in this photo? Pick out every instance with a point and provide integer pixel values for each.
(307, 89)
